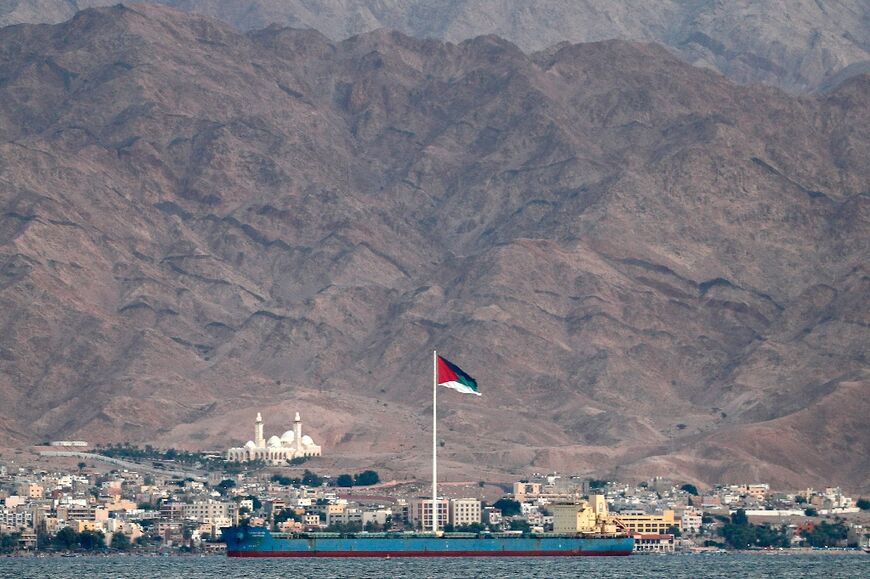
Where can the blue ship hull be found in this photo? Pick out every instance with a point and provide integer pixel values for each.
(260, 542)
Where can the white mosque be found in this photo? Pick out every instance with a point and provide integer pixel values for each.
(292, 444)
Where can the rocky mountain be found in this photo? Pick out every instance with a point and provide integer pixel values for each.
(649, 269)
(797, 45)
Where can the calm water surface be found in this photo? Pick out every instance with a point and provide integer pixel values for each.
(829, 566)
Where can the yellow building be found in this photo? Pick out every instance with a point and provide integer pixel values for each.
(759, 491)
(523, 490)
(119, 504)
(579, 517)
(642, 522)
(80, 526)
(31, 490)
(573, 518)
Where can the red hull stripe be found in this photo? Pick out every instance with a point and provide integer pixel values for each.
(426, 553)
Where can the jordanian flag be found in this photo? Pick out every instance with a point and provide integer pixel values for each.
(452, 376)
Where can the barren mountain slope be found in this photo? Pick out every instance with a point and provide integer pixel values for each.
(797, 45)
(649, 269)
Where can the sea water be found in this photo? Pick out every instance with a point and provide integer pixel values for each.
(675, 566)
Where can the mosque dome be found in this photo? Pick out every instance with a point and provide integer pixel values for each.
(288, 436)
(273, 441)
(250, 444)
(307, 439)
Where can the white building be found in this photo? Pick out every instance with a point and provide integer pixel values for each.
(464, 512)
(208, 511)
(691, 520)
(277, 450)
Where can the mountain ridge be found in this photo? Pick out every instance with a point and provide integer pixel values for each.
(801, 46)
(649, 269)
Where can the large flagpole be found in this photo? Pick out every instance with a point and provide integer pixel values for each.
(434, 443)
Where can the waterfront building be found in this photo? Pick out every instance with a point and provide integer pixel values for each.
(643, 522)
(464, 512)
(311, 520)
(492, 516)
(376, 517)
(276, 450)
(653, 542)
(420, 513)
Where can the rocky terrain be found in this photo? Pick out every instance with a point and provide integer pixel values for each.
(649, 269)
(797, 45)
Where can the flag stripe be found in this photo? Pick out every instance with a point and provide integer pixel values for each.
(459, 387)
(452, 376)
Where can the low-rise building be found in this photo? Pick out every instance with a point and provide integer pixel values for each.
(492, 516)
(420, 513)
(653, 542)
(464, 512)
(691, 520)
(643, 522)
(208, 510)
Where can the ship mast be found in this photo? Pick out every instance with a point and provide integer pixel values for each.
(434, 443)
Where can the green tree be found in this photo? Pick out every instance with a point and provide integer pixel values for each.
(811, 512)
(863, 504)
(310, 479)
(43, 539)
(739, 517)
(120, 542)
(285, 481)
(800, 500)
(674, 530)
(689, 488)
(344, 480)
(66, 538)
(257, 503)
(739, 536)
(826, 534)
(225, 485)
(508, 507)
(768, 536)
(92, 540)
(367, 478)
(520, 525)
(8, 542)
(82, 466)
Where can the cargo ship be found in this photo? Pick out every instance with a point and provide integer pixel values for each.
(244, 541)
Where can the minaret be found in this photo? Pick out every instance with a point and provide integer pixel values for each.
(258, 432)
(297, 431)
